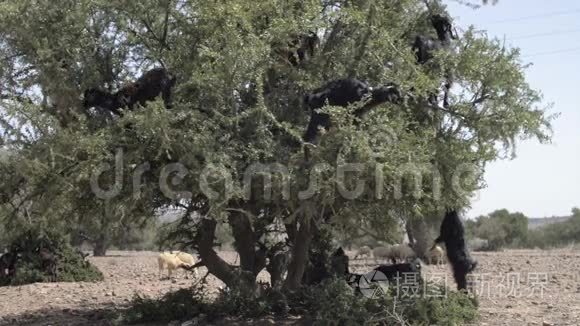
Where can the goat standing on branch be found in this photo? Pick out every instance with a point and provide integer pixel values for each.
(425, 46)
(151, 84)
(345, 92)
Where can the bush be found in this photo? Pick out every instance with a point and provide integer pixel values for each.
(332, 302)
(455, 309)
(179, 305)
(71, 266)
(556, 235)
(335, 303)
(501, 229)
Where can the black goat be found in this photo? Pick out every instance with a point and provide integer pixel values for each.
(339, 262)
(146, 88)
(345, 92)
(8, 264)
(452, 233)
(318, 269)
(94, 97)
(300, 49)
(396, 271)
(425, 46)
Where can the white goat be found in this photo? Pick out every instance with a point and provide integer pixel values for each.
(436, 254)
(401, 252)
(363, 251)
(382, 252)
(169, 261)
(187, 259)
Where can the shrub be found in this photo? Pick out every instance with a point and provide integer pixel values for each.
(179, 305)
(332, 302)
(557, 234)
(71, 266)
(335, 303)
(500, 228)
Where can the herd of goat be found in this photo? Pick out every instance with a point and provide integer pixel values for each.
(400, 253)
(340, 92)
(403, 258)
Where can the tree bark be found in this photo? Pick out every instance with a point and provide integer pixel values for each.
(409, 229)
(215, 265)
(278, 264)
(422, 239)
(244, 240)
(299, 259)
(100, 246)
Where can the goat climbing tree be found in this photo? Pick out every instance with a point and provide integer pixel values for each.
(230, 150)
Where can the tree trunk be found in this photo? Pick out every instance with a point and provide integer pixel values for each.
(277, 267)
(215, 265)
(100, 246)
(102, 241)
(244, 240)
(409, 229)
(299, 259)
(422, 238)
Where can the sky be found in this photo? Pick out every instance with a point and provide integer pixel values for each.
(544, 180)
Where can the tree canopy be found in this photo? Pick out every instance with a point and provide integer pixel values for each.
(238, 116)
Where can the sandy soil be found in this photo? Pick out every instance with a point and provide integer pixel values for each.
(530, 287)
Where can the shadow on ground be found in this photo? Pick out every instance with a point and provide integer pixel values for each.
(62, 317)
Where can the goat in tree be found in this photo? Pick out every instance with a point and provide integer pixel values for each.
(425, 46)
(452, 233)
(299, 50)
(345, 92)
(146, 88)
(303, 48)
(94, 97)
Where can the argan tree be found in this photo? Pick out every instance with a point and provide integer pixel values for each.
(230, 150)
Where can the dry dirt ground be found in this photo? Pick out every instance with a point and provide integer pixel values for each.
(516, 287)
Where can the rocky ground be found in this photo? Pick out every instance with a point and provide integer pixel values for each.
(530, 287)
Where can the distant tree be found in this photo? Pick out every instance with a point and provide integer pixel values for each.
(557, 234)
(501, 228)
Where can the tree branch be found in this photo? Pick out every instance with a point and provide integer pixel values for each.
(214, 263)
(300, 255)
(166, 26)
